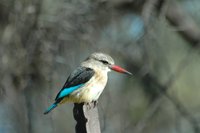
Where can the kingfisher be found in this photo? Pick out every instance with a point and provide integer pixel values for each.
(86, 83)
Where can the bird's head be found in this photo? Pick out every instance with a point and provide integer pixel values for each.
(104, 62)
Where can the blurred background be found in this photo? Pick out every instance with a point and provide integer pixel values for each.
(42, 41)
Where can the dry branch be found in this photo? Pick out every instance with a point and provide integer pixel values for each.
(188, 29)
(87, 119)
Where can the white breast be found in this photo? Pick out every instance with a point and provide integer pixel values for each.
(92, 89)
(93, 92)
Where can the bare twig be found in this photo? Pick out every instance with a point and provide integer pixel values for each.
(163, 91)
(189, 30)
(148, 9)
(148, 115)
(184, 112)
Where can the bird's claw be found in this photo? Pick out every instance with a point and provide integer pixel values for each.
(92, 104)
(89, 105)
(95, 103)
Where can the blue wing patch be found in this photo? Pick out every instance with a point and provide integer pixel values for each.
(67, 91)
(50, 108)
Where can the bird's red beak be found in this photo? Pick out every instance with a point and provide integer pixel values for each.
(119, 69)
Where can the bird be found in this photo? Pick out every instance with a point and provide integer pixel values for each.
(86, 83)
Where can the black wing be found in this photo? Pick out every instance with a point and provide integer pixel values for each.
(79, 76)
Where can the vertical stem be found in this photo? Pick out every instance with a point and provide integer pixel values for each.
(87, 118)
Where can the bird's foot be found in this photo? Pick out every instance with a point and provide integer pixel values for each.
(92, 104)
(95, 103)
(89, 105)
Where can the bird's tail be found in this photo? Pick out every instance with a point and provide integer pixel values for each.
(50, 108)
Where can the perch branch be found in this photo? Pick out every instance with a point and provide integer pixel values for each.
(87, 118)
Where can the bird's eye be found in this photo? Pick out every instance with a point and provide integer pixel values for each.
(104, 62)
